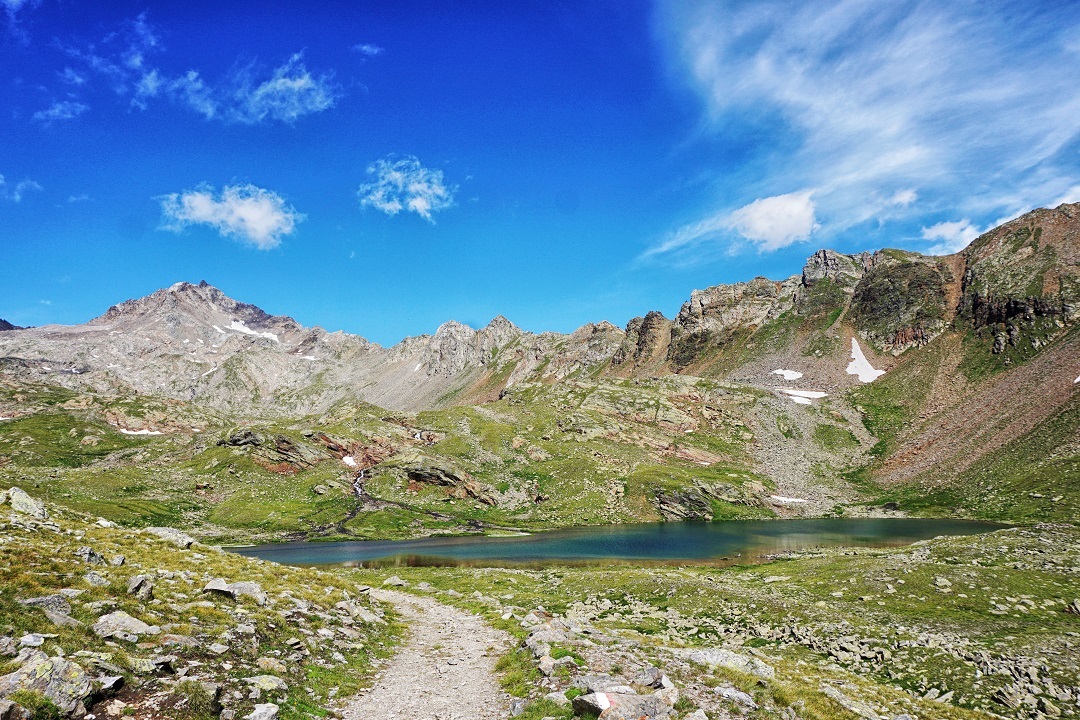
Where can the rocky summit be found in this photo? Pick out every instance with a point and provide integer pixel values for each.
(885, 384)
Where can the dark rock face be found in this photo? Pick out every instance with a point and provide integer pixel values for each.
(5, 325)
(902, 305)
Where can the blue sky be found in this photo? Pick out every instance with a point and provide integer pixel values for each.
(383, 167)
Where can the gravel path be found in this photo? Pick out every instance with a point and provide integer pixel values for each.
(444, 672)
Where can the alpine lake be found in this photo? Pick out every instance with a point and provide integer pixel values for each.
(672, 543)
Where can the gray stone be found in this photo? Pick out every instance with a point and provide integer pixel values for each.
(237, 590)
(141, 586)
(719, 657)
(56, 603)
(11, 711)
(119, 624)
(267, 683)
(736, 695)
(622, 706)
(90, 556)
(218, 648)
(859, 708)
(263, 711)
(32, 640)
(23, 503)
(62, 620)
(601, 684)
(559, 698)
(95, 579)
(394, 581)
(178, 538)
(57, 678)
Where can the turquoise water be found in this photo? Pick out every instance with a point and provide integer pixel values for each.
(688, 542)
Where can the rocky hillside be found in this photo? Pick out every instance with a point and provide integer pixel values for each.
(101, 621)
(866, 377)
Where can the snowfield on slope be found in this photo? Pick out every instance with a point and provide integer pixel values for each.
(860, 366)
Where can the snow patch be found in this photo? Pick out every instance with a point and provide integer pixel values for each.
(860, 366)
(788, 374)
(242, 328)
(141, 432)
(802, 401)
(782, 499)
(1077, 380)
(349, 460)
(307, 357)
(418, 366)
(811, 394)
(219, 330)
(208, 372)
(6, 418)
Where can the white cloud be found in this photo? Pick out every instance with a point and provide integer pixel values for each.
(406, 185)
(953, 236)
(71, 77)
(190, 90)
(82, 197)
(15, 193)
(1072, 195)
(903, 198)
(290, 93)
(776, 222)
(367, 49)
(243, 212)
(61, 110)
(975, 106)
(124, 59)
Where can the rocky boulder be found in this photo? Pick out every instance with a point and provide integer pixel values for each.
(22, 503)
(58, 679)
(120, 625)
(237, 590)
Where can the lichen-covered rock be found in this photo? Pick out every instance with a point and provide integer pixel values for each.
(57, 678)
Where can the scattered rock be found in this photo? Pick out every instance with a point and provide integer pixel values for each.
(58, 679)
(120, 625)
(264, 711)
(178, 538)
(141, 586)
(90, 556)
(267, 683)
(96, 579)
(271, 665)
(11, 711)
(622, 706)
(394, 581)
(237, 590)
(56, 603)
(22, 503)
(726, 658)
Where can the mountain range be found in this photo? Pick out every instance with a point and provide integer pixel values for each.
(938, 382)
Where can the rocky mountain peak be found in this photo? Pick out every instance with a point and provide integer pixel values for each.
(831, 265)
(5, 325)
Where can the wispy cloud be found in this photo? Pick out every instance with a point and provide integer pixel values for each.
(81, 197)
(60, 111)
(246, 213)
(15, 193)
(290, 93)
(407, 185)
(367, 49)
(124, 60)
(879, 105)
(952, 236)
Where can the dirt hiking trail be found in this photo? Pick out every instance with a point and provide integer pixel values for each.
(444, 671)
